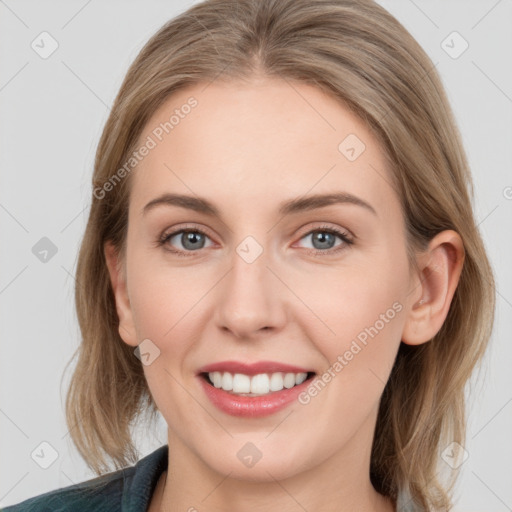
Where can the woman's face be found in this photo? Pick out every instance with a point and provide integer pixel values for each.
(269, 281)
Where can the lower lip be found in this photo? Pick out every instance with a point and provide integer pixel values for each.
(255, 406)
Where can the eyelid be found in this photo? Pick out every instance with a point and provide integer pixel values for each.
(167, 234)
(346, 237)
(343, 234)
(327, 227)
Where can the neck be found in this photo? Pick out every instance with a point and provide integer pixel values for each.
(167, 500)
(340, 484)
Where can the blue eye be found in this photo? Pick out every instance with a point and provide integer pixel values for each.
(193, 240)
(325, 237)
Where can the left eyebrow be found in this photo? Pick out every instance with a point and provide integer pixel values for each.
(322, 200)
(313, 202)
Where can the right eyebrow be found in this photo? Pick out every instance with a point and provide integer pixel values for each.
(197, 204)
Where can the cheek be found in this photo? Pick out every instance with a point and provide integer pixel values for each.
(159, 295)
(367, 331)
(365, 310)
(364, 301)
(166, 303)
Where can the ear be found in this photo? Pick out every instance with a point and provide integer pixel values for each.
(440, 268)
(117, 271)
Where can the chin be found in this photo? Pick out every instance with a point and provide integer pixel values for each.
(253, 462)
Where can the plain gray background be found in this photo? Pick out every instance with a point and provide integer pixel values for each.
(52, 114)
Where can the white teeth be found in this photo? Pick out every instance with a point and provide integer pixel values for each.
(300, 378)
(216, 378)
(276, 382)
(289, 380)
(260, 384)
(227, 381)
(241, 383)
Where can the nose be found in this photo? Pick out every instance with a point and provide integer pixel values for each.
(252, 300)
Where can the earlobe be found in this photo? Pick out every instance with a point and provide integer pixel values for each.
(440, 269)
(118, 281)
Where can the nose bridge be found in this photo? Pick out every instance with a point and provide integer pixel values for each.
(250, 298)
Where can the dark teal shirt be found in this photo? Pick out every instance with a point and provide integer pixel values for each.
(126, 490)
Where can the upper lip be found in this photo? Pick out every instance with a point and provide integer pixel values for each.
(252, 368)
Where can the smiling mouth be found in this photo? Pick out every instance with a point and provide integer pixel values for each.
(255, 385)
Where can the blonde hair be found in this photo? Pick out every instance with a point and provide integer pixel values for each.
(356, 51)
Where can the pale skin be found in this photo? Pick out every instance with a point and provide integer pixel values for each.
(246, 148)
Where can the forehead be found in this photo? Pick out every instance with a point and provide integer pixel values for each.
(267, 139)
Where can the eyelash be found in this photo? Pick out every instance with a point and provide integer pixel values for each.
(165, 237)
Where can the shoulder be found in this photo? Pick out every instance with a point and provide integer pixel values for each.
(89, 495)
(129, 488)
